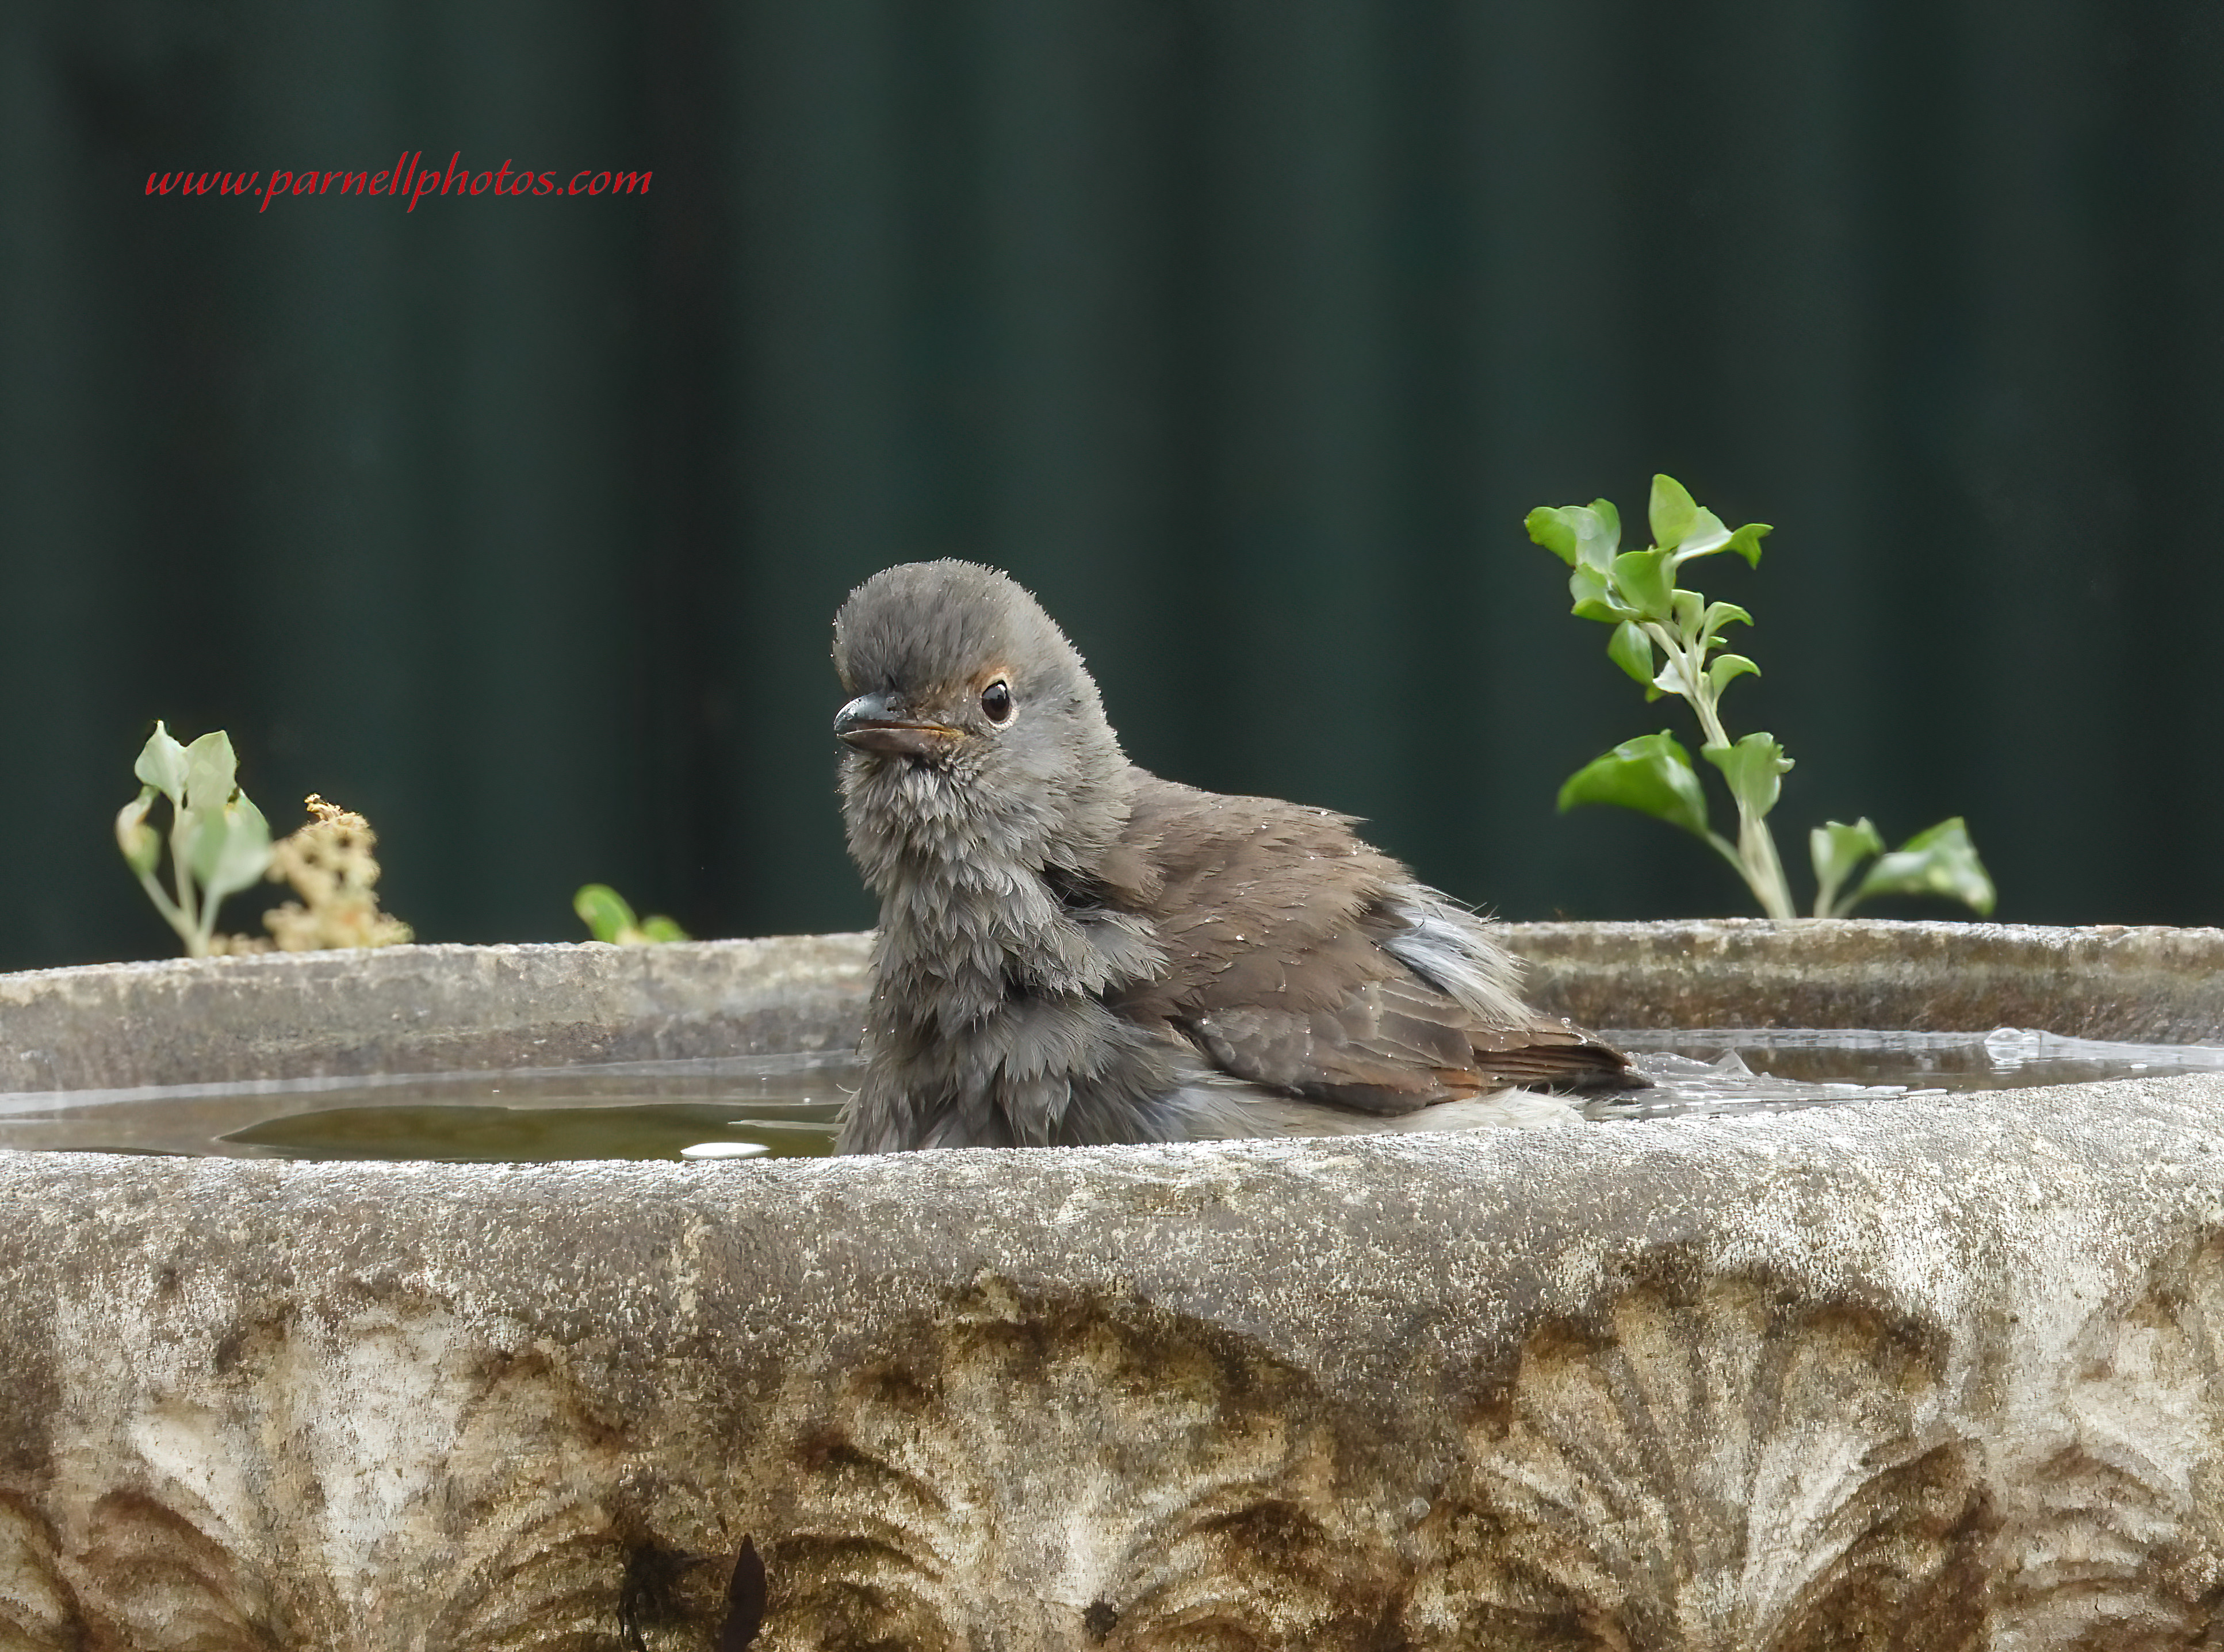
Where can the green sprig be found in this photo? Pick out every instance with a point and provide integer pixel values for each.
(219, 841)
(610, 917)
(1669, 639)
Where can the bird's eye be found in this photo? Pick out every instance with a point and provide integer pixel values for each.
(996, 703)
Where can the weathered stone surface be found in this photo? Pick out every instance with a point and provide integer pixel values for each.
(1923, 1373)
(429, 1009)
(1905, 1374)
(2136, 985)
(425, 1009)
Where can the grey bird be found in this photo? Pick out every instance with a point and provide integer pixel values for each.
(1073, 951)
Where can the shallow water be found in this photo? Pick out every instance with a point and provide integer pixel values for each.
(1747, 1069)
(758, 1106)
(786, 1106)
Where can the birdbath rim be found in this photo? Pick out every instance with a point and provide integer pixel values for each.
(450, 1008)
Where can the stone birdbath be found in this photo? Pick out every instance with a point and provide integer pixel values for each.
(1937, 1371)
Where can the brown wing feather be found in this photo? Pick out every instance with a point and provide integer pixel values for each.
(1270, 914)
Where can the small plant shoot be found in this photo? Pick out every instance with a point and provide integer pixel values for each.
(1669, 640)
(219, 842)
(609, 917)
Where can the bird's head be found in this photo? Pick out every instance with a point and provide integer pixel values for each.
(973, 728)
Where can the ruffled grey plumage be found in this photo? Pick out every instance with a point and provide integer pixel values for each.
(1074, 951)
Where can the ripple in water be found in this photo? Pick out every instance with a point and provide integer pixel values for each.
(1747, 1069)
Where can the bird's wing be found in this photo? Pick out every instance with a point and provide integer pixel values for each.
(1301, 959)
(1383, 1049)
(1391, 1041)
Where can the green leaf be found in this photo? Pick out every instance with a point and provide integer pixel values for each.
(246, 855)
(1940, 861)
(1632, 650)
(609, 918)
(1727, 667)
(1550, 526)
(1596, 598)
(1583, 536)
(227, 849)
(1704, 537)
(1836, 850)
(227, 841)
(1672, 513)
(1718, 615)
(1709, 536)
(203, 832)
(211, 772)
(607, 915)
(162, 765)
(1652, 774)
(1645, 580)
(140, 845)
(1690, 613)
(1745, 542)
(1754, 767)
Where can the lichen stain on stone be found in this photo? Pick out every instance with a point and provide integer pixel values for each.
(1063, 1472)
(1710, 1464)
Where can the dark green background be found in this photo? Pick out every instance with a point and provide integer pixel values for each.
(1243, 332)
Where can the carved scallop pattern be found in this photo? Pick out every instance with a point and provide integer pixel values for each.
(1139, 1481)
(2117, 1533)
(1716, 1465)
(38, 1610)
(382, 1481)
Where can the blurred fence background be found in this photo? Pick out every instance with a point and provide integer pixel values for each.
(1244, 331)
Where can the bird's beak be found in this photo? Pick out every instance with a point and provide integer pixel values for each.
(870, 723)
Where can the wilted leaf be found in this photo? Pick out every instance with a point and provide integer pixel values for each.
(1671, 512)
(1837, 849)
(1940, 861)
(141, 844)
(1632, 650)
(162, 765)
(1754, 767)
(1652, 774)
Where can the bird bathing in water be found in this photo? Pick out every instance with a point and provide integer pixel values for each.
(1073, 951)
